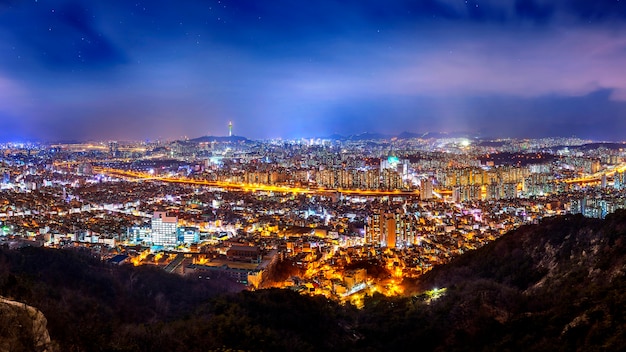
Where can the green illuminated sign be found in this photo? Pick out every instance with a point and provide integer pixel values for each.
(393, 160)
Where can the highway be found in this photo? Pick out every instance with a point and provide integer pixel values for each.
(140, 176)
(597, 177)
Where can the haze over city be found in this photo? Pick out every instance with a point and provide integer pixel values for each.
(74, 70)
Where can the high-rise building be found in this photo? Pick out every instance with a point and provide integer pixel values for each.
(373, 228)
(113, 148)
(164, 229)
(494, 191)
(509, 190)
(389, 230)
(426, 192)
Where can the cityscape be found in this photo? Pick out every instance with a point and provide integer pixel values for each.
(343, 218)
(224, 175)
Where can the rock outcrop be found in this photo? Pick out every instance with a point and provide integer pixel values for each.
(22, 328)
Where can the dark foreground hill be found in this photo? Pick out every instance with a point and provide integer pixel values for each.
(560, 285)
(557, 286)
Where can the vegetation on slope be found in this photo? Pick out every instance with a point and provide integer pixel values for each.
(557, 286)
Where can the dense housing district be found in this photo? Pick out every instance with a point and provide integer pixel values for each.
(342, 219)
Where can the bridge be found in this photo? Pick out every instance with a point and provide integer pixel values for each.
(596, 177)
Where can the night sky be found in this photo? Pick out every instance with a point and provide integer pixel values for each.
(119, 69)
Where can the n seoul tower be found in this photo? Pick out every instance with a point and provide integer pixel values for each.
(230, 128)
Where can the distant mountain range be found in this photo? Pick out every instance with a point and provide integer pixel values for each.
(607, 145)
(404, 135)
(221, 139)
(365, 136)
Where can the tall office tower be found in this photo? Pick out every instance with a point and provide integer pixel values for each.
(426, 192)
(230, 129)
(113, 148)
(373, 228)
(389, 230)
(164, 229)
(6, 175)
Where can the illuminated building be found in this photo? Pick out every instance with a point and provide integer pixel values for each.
(189, 234)
(113, 148)
(351, 278)
(406, 225)
(466, 193)
(246, 254)
(373, 229)
(619, 180)
(426, 192)
(372, 179)
(509, 190)
(230, 129)
(389, 230)
(494, 191)
(164, 229)
(390, 180)
(400, 167)
(139, 234)
(345, 179)
(84, 169)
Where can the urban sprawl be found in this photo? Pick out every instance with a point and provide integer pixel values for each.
(340, 218)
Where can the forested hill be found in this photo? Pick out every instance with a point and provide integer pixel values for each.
(557, 286)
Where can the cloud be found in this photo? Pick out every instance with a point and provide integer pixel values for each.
(281, 67)
(560, 61)
(12, 96)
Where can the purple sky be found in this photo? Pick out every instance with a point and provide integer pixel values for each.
(117, 69)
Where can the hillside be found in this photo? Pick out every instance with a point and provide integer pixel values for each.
(87, 302)
(556, 286)
(559, 285)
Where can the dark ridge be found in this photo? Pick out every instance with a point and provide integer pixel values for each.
(491, 143)
(369, 136)
(591, 146)
(220, 139)
(409, 135)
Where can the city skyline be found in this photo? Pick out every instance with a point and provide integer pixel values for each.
(134, 71)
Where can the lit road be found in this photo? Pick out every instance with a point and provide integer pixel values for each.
(251, 187)
(140, 176)
(597, 177)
